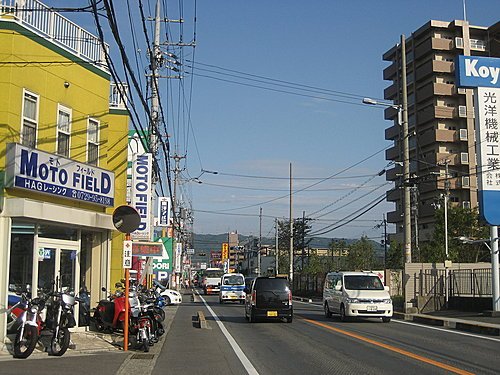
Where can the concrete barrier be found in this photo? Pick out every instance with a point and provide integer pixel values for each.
(202, 322)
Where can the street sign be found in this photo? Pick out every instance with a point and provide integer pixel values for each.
(127, 254)
(190, 251)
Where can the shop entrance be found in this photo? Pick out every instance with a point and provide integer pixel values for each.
(58, 264)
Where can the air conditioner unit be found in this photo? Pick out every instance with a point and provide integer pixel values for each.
(464, 158)
(461, 90)
(462, 111)
(463, 134)
(466, 204)
(459, 42)
(465, 181)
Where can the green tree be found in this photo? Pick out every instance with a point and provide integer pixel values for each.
(315, 265)
(395, 258)
(301, 240)
(361, 255)
(338, 252)
(462, 222)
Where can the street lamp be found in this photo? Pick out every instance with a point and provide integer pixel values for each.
(495, 273)
(402, 122)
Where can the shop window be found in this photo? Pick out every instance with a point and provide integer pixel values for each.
(58, 232)
(93, 142)
(21, 261)
(63, 130)
(29, 119)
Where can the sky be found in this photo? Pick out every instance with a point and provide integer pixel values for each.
(251, 131)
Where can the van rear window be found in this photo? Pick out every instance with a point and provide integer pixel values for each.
(362, 282)
(233, 280)
(272, 284)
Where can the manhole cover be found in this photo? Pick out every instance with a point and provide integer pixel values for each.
(143, 356)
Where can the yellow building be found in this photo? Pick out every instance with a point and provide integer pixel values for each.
(63, 157)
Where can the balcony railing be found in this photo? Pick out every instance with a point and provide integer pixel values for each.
(39, 18)
(117, 100)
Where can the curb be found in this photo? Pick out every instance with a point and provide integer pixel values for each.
(452, 323)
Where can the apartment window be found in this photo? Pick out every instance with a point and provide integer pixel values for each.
(464, 158)
(463, 134)
(92, 141)
(30, 119)
(478, 44)
(462, 111)
(459, 42)
(63, 130)
(465, 181)
(466, 204)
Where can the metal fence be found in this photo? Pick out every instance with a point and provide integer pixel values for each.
(461, 283)
(470, 283)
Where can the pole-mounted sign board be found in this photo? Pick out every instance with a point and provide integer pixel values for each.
(483, 74)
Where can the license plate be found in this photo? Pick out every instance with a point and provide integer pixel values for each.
(232, 296)
(272, 313)
(371, 308)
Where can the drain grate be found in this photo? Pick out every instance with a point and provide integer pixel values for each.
(143, 356)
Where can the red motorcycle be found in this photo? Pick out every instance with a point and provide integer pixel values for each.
(110, 315)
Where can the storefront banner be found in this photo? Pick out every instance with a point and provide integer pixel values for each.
(141, 195)
(42, 172)
(147, 249)
(162, 266)
(163, 211)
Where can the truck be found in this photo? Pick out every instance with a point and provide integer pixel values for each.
(211, 280)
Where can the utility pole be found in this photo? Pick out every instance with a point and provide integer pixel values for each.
(260, 241)
(406, 156)
(303, 240)
(385, 242)
(176, 221)
(291, 231)
(415, 218)
(276, 244)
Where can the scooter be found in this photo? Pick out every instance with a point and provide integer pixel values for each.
(110, 313)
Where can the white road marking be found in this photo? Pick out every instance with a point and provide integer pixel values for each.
(236, 348)
(423, 326)
(446, 330)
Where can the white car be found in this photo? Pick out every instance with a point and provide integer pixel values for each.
(172, 297)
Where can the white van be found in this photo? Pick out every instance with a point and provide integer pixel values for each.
(232, 287)
(356, 294)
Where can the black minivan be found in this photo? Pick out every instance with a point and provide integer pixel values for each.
(269, 298)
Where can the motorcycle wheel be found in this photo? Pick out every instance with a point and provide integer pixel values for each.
(145, 345)
(160, 313)
(60, 344)
(24, 346)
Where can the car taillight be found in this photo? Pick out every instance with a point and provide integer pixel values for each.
(289, 297)
(254, 297)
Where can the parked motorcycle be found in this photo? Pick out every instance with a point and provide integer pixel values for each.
(29, 324)
(110, 315)
(59, 319)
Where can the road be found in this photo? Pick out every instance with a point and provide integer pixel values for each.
(317, 345)
(312, 344)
